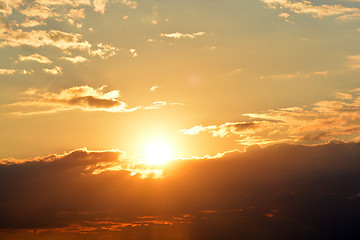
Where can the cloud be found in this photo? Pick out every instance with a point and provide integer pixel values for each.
(35, 57)
(77, 59)
(161, 104)
(343, 96)
(154, 88)
(131, 4)
(53, 71)
(104, 51)
(354, 61)
(39, 11)
(306, 7)
(294, 75)
(39, 38)
(7, 71)
(99, 5)
(6, 7)
(31, 23)
(279, 192)
(133, 52)
(319, 122)
(178, 35)
(13, 71)
(84, 98)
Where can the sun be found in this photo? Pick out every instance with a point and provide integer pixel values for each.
(157, 152)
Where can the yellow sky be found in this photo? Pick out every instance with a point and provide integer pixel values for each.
(207, 77)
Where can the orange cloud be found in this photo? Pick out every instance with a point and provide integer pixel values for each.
(84, 98)
(322, 121)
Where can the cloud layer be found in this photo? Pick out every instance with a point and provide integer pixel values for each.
(278, 192)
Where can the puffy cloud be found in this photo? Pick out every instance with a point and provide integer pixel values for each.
(104, 51)
(321, 121)
(77, 59)
(99, 5)
(306, 7)
(53, 71)
(178, 35)
(35, 57)
(278, 192)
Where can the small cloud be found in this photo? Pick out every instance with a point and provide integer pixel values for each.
(7, 71)
(104, 51)
(100, 5)
(154, 88)
(35, 57)
(53, 71)
(25, 72)
(131, 4)
(354, 61)
(323, 73)
(133, 52)
(77, 59)
(284, 15)
(178, 35)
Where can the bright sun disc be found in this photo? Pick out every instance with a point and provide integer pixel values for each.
(157, 153)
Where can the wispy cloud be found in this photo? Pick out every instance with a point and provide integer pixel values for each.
(7, 71)
(53, 71)
(354, 61)
(306, 7)
(77, 59)
(178, 35)
(39, 38)
(4, 71)
(321, 121)
(84, 98)
(35, 57)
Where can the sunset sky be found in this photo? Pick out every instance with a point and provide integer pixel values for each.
(154, 119)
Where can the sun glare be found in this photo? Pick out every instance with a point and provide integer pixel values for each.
(157, 153)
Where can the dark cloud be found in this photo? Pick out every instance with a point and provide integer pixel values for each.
(278, 192)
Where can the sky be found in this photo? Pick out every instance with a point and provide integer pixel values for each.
(154, 119)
